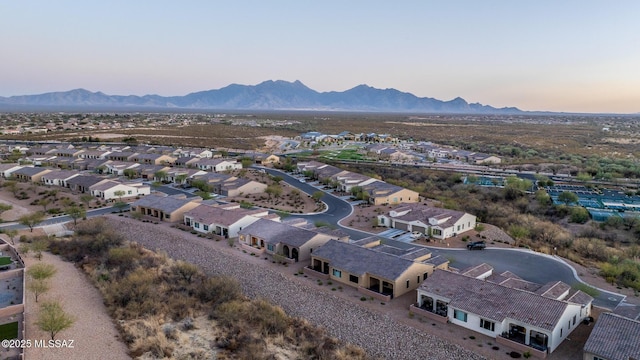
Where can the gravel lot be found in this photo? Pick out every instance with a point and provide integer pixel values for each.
(380, 334)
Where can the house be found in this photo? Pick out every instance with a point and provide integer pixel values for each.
(613, 337)
(94, 154)
(382, 193)
(218, 165)
(153, 159)
(239, 186)
(193, 152)
(111, 190)
(186, 161)
(82, 183)
(6, 170)
(68, 152)
(431, 221)
(118, 167)
(293, 242)
(480, 158)
(383, 270)
(350, 180)
(180, 176)
(225, 220)
(30, 174)
(121, 156)
(59, 177)
(262, 159)
(165, 208)
(517, 313)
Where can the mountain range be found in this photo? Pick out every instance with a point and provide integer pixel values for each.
(268, 95)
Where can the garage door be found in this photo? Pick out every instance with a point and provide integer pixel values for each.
(421, 229)
(401, 226)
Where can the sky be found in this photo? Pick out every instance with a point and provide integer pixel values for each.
(546, 55)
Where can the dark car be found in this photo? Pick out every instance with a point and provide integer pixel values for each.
(476, 245)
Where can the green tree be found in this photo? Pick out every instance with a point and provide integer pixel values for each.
(203, 194)
(579, 215)
(181, 178)
(5, 207)
(41, 271)
(52, 319)
(44, 203)
(76, 212)
(130, 173)
(12, 186)
(246, 162)
(31, 220)
(160, 175)
(37, 287)
(119, 194)
(120, 205)
(38, 247)
(86, 199)
(568, 198)
(12, 233)
(317, 195)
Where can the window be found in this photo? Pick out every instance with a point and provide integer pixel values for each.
(424, 276)
(205, 227)
(460, 315)
(337, 273)
(458, 228)
(129, 192)
(597, 358)
(168, 216)
(486, 324)
(436, 231)
(574, 319)
(418, 281)
(353, 279)
(407, 284)
(270, 247)
(196, 225)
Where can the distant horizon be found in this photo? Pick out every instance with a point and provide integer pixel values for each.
(536, 56)
(137, 108)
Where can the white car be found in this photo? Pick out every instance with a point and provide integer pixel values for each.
(416, 234)
(303, 180)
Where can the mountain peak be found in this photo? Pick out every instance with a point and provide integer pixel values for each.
(267, 95)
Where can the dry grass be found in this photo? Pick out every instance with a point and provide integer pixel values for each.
(168, 308)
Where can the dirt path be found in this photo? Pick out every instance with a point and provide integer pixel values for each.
(94, 334)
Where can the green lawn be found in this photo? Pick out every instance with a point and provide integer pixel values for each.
(5, 260)
(9, 331)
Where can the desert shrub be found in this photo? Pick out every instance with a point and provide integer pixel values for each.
(219, 290)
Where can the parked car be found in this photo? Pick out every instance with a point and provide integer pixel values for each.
(476, 245)
(416, 234)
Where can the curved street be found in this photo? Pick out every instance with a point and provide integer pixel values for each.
(529, 265)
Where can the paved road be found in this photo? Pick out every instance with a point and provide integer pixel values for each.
(528, 265)
(337, 208)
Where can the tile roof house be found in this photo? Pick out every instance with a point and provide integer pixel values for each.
(30, 174)
(529, 321)
(153, 159)
(165, 208)
(382, 193)
(59, 177)
(83, 183)
(7, 169)
(380, 268)
(613, 337)
(112, 190)
(239, 186)
(218, 165)
(224, 220)
(434, 222)
(293, 242)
